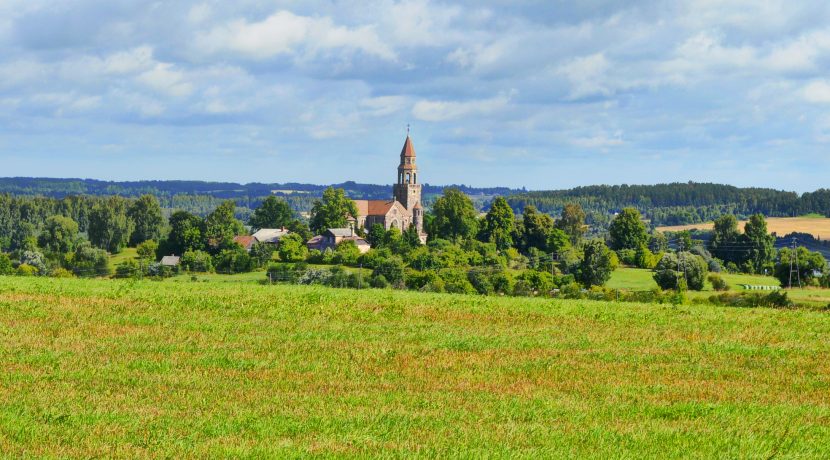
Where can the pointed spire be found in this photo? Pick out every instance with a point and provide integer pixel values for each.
(408, 150)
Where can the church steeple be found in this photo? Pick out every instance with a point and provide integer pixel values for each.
(407, 190)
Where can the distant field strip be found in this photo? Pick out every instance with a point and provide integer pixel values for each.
(819, 227)
(132, 369)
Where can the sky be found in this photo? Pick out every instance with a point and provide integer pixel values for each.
(541, 94)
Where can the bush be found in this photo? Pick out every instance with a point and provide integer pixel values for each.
(62, 273)
(689, 271)
(127, 269)
(90, 262)
(157, 270)
(286, 273)
(261, 253)
(481, 282)
(392, 270)
(718, 283)
(197, 261)
(379, 282)
(503, 283)
(456, 281)
(292, 248)
(538, 282)
(5, 265)
(26, 270)
(35, 259)
(233, 260)
(346, 253)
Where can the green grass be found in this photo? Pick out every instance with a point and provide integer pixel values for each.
(112, 368)
(123, 256)
(636, 279)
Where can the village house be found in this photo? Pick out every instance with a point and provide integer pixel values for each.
(270, 235)
(334, 236)
(246, 241)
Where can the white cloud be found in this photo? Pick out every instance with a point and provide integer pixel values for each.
(199, 13)
(164, 78)
(600, 141)
(817, 92)
(450, 110)
(287, 33)
(384, 105)
(587, 75)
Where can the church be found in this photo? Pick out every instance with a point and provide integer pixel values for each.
(404, 209)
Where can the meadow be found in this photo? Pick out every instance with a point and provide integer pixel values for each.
(813, 224)
(129, 369)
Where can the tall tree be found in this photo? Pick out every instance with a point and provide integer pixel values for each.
(109, 226)
(761, 244)
(627, 230)
(272, 213)
(536, 228)
(221, 226)
(596, 266)
(186, 233)
(147, 219)
(332, 211)
(726, 238)
(498, 225)
(58, 235)
(455, 216)
(572, 222)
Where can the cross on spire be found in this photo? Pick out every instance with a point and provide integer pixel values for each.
(407, 130)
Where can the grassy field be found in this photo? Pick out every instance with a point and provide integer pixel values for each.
(112, 368)
(636, 279)
(813, 224)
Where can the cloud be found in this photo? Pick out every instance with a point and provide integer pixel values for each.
(427, 110)
(817, 92)
(586, 75)
(287, 33)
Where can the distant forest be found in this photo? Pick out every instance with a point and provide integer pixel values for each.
(676, 203)
(663, 204)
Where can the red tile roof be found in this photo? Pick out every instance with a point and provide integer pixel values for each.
(244, 240)
(373, 207)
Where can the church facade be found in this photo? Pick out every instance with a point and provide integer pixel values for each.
(404, 209)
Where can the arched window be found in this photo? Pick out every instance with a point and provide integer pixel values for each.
(407, 178)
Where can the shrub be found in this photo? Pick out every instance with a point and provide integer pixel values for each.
(35, 259)
(456, 281)
(503, 283)
(233, 260)
(718, 283)
(392, 269)
(127, 269)
(5, 265)
(346, 253)
(480, 281)
(261, 253)
(197, 261)
(379, 282)
(292, 248)
(157, 270)
(689, 271)
(90, 262)
(26, 270)
(62, 273)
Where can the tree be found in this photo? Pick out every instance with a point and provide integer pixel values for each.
(376, 235)
(536, 227)
(145, 214)
(455, 216)
(681, 271)
(332, 211)
(726, 239)
(23, 237)
(572, 222)
(811, 266)
(261, 253)
(498, 225)
(59, 235)
(272, 213)
(761, 244)
(346, 253)
(221, 226)
(90, 262)
(234, 259)
(5, 264)
(146, 251)
(292, 248)
(186, 233)
(627, 230)
(410, 239)
(197, 261)
(109, 226)
(596, 266)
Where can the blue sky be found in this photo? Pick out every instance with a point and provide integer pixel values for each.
(543, 94)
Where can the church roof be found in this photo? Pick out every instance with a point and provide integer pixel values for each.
(373, 207)
(408, 149)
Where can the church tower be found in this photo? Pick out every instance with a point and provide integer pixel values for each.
(407, 189)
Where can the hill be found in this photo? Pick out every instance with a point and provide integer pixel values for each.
(137, 369)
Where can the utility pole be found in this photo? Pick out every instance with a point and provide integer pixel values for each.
(794, 267)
